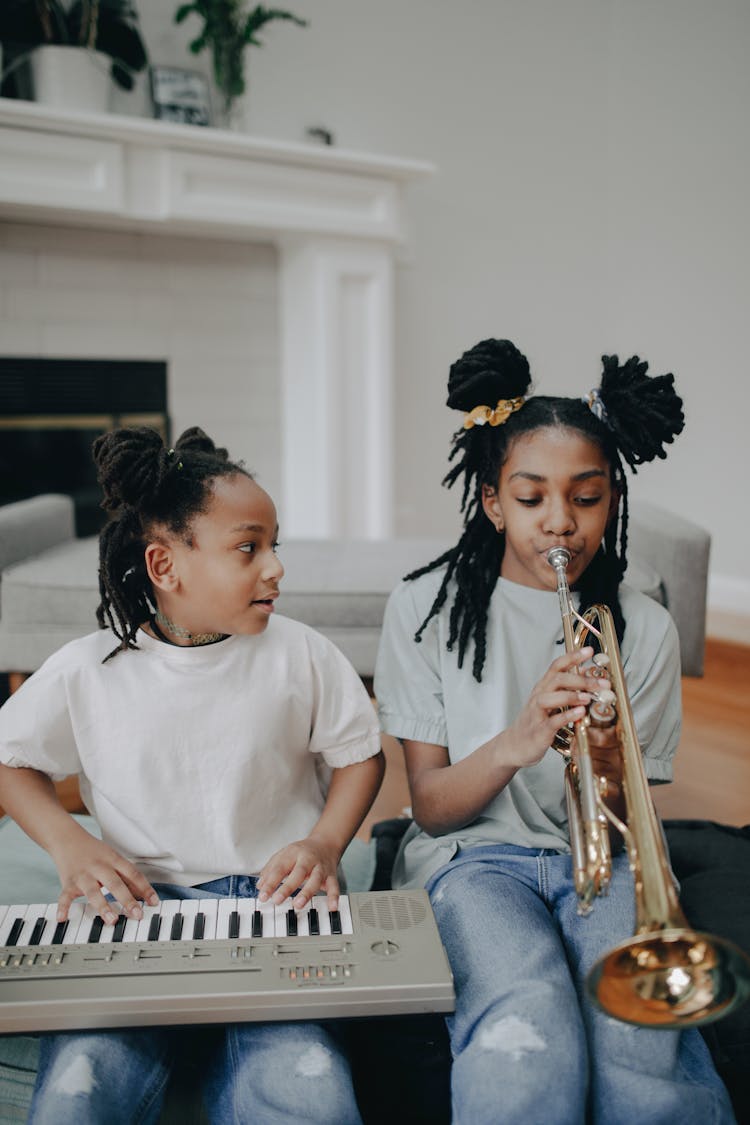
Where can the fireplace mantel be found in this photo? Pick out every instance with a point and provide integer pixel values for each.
(338, 219)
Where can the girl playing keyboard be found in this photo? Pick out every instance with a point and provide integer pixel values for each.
(222, 749)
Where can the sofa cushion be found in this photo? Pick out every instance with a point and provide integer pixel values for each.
(338, 587)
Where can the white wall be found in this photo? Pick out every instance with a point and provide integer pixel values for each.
(593, 164)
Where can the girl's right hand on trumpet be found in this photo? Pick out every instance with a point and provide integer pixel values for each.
(559, 698)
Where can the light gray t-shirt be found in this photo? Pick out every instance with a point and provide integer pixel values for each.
(423, 695)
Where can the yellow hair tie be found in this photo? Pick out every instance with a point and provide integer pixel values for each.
(480, 415)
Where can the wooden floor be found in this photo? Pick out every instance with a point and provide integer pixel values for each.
(712, 765)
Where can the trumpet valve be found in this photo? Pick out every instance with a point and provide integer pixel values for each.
(602, 711)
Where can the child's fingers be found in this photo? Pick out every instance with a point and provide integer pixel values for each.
(92, 890)
(562, 700)
(270, 876)
(66, 897)
(570, 660)
(299, 875)
(332, 892)
(566, 716)
(277, 879)
(139, 888)
(122, 893)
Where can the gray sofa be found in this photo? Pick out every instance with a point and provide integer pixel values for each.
(48, 581)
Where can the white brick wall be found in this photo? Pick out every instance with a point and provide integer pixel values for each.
(206, 307)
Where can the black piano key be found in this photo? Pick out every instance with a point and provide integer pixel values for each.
(336, 922)
(154, 927)
(313, 922)
(291, 923)
(61, 930)
(199, 925)
(257, 924)
(36, 933)
(96, 929)
(175, 932)
(15, 932)
(119, 930)
(234, 925)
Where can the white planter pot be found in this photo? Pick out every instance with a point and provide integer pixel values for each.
(71, 78)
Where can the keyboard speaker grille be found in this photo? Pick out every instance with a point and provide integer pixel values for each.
(392, 912)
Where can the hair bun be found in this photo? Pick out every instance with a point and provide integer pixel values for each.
(644, 412)
(128, 462)
(491, 370)
(197, 441)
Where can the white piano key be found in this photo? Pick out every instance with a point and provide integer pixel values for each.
(85, 923)
(303, 920)
(108, 931)
(50, 915)
(279, 918)
(245, 909)
(324, 918)
(75, 915)
(209, 907)
(169, 908)
(226, 907)
(33, 911)
(130, 931)
(345, 910)
(141, 933)
(188, 910)
(268, 915)
(6, 925)
(3, 912)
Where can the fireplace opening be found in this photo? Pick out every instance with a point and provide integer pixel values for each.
(51, 410)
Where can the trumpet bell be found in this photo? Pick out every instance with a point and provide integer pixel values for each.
(671, 978)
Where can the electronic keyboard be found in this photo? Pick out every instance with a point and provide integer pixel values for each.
(221, 960)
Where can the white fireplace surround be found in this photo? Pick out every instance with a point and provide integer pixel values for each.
(338, 220)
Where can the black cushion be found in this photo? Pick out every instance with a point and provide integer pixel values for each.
(712, 863)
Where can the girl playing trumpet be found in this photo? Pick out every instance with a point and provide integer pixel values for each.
(458, 682)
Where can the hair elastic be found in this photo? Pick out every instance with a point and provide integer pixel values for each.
(594, 402)
(495, 417)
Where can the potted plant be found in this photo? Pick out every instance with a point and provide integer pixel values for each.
(228, 28)
(59, 40)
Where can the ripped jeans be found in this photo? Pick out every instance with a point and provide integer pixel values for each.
(265, 1073)
(527, 1046)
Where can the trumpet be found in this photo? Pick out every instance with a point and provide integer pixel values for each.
(667, 975)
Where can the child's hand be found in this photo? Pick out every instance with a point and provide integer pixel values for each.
(559, 698)
(309, 865)
(85, 865)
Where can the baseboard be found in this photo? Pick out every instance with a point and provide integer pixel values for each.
(728, 616)
(722, 625)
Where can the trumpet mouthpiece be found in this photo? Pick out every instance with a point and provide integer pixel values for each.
(558, 557)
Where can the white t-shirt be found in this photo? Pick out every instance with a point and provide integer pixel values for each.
(423, 695)
(196, 762)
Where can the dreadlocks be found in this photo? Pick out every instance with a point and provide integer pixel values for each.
(146, 485)
(630, 417)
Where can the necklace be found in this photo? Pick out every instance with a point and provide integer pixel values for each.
(184, 634)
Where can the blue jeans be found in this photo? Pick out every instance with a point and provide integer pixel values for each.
(264, 1073)
(527, 1045)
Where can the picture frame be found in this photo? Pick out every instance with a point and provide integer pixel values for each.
(181, 95)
